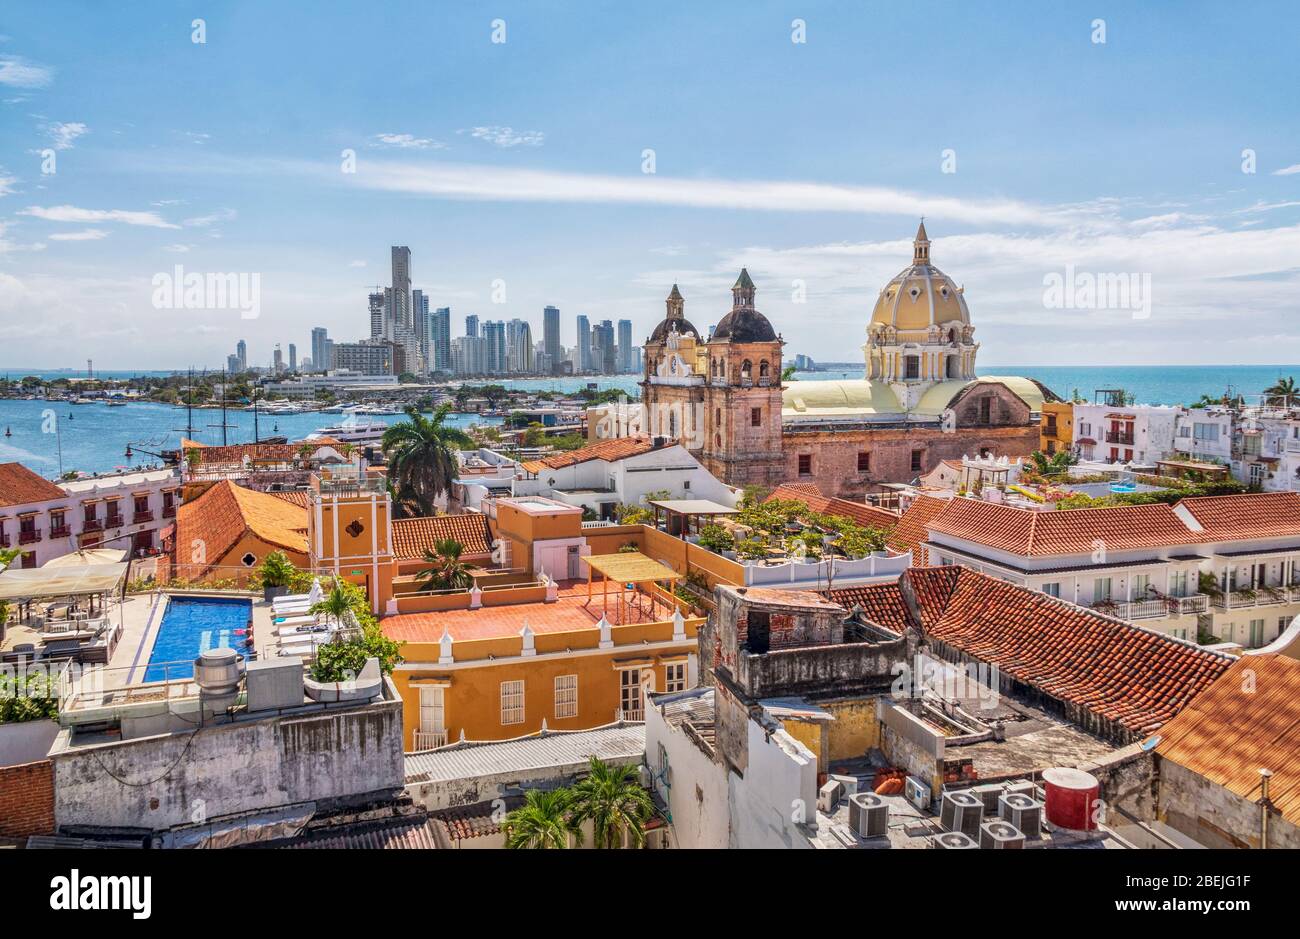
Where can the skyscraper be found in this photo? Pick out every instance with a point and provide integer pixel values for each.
(319, 355)
(277, 360)
(494, 356)
(293, 357)
(603, 348)
(584, 344)
(627, 358)
(440, 339)
(519, 347)
(403, 328)
(378, 314)
(551, 335)
(471, 326)
(420, 321)
(241, 350)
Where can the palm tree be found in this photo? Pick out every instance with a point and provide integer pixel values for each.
(1050, 465)
(545, 820)
(446, 571)
(612, 799)
(335, 606)
(1283, 393)
(422, 458)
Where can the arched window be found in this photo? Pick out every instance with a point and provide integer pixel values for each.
(746, 370)
(763, 369)
(672, 425)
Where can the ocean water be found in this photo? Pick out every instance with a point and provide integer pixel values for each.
(44, 435)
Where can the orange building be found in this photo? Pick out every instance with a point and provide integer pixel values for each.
(229, 530)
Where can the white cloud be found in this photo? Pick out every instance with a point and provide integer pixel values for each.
(406, 142)
(203, 221)
(356, 264)
(71, 213)
(508, 137)
(86, 234)
(64, 134)
(6, 182)
(19, 73)
(1288, 170)
(179, 248)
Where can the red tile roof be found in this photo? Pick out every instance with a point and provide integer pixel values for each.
(1134, 677)
(219, 518)
(620, 448)
(1031, 533)
(1246, 721)
(298, 497)
(256, 452)
(411, 536)
(20, 486)
(812, 497)
(1254, 515)
(911, 529)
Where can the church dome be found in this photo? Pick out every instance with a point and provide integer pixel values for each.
(744, 323)
(921, 295)
(675, 320)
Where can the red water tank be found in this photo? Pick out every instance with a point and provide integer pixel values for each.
(1072, 798)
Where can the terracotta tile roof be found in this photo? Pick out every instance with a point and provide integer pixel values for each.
(256, 452)
(19, 486)
(298, 497)
(811, 496)
(412, 833)
(1030, 533)
(882, 604)
(619, 448)
(221, 516)
(473, 821)
(496, 622)
(1134, 677)
(911, 529)
(411, 536)
(1229, 734)
(1254, 515)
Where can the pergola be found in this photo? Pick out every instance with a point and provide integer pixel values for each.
(630, 568)
(679, 512)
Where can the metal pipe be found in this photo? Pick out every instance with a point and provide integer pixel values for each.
(1264, 806)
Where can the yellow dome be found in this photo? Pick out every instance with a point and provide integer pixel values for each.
(920, 296)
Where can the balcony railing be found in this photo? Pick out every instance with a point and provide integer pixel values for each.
(428, 739)
(169, 511)
(1124, 439)
(139, 517)
(1263, 596)
(93, 524)
(1142, 609)
(1196, 603)
(27, 536)
(63, 531)
(114, 521)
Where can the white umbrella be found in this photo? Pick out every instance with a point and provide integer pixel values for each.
(316, 594)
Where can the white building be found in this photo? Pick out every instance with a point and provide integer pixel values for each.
(622, 471)
(1221, 566)
(1205, 434)
(1142, 433)
(47, 520)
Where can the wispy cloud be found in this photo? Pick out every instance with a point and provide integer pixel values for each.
(508, 137)
(65, 134)
(203, 221)
(406, 142)
(1288, 170)
(17, 72)
(356, 264)
(86, 234)
(72, 213)
(6, 182)
(179, 248)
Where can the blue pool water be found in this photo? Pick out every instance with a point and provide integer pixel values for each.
(191, 625)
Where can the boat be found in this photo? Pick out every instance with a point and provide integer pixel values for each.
(356, 428)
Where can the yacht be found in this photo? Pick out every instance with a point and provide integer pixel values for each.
(356, 428)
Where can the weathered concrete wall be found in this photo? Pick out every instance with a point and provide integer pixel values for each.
(908, 743)
(1212, 815)
(844, 668)
(697, 794)
(27, 800)
(450, 793)
(776, 794)
(28, 742)
(855, 730)
(1127, 779)
(160, 782)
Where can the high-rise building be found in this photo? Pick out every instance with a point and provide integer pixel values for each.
(232, 363)
(370, 357)
(520, 353)
(440, 339)
(277, 360)
(626, 354)
(583, 360)
(327, 364)
(603, 350)
(551, 335)
(293, 357)
(471, 326)
(494, 356)
(403, 328)
(241, 350)
(319, 356)
(378, 313)
(420, 319)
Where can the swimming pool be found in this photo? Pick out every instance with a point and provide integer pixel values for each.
(191, 625)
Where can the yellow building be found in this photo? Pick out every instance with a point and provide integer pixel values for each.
(228, 531)
(1056, 429)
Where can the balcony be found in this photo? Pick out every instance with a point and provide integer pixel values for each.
(1142, 609)
(1196, 603)
(92, 524)
(139, 517)
(428, 739)
(169, 511)
(62, 531)
(1264, 596)
(29, 536)
(114, 521)
(1122, 439)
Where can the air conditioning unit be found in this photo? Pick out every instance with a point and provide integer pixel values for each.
(1000, 834)
(850, 783)
(953, 840)
(1022, 788)
(989, 793)
(868, 815)
(917, 792)
(1023, 812)
(961, 811)
(829, 796)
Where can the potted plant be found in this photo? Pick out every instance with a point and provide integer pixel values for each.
(715, 538)
(276, 573)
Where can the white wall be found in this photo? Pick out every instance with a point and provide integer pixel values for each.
(697, 796)
(779, 786)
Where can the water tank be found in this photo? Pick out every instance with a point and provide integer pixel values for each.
(217, 672)
(1072, 798)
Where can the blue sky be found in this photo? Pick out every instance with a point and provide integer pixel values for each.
(522, 162)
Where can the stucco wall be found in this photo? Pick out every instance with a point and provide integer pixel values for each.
(697, 791)
(1213, 816)
(776, 794)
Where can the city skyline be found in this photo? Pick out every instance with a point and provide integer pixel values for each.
(602, 210)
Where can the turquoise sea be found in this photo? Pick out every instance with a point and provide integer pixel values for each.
(93, 438)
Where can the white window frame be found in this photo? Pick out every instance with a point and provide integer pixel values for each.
(512, 702)
(566, 696)
(630, 689)
(1053, 589)
(674, 677)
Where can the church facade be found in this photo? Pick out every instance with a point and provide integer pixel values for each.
(919, 401)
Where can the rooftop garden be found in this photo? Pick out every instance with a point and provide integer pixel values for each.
(785, 529)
